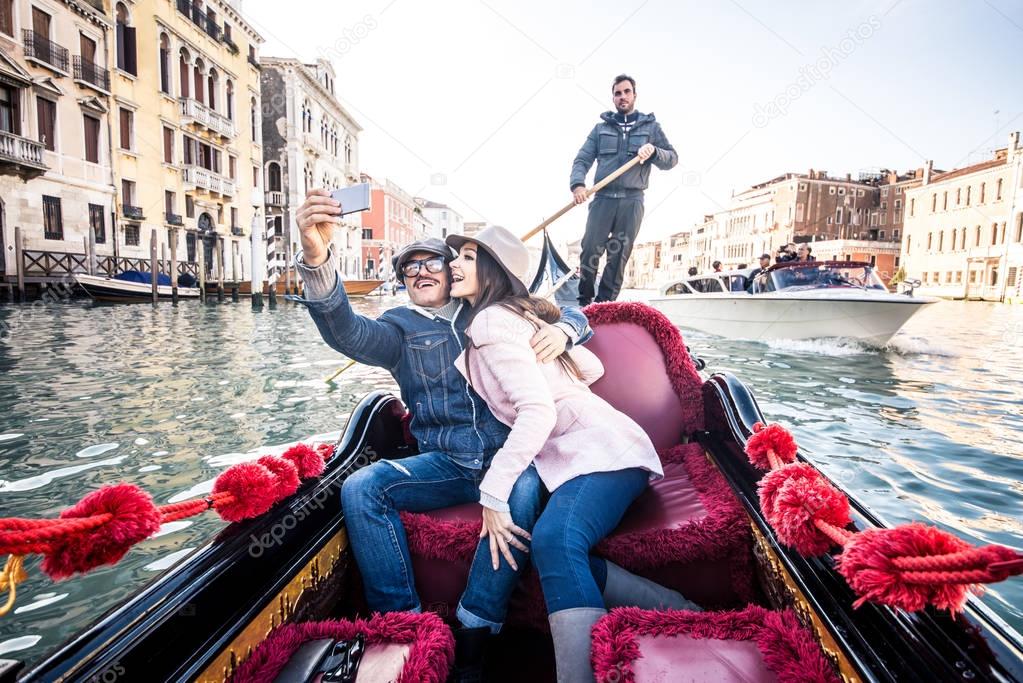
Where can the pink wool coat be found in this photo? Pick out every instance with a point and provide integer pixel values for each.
(556, 421)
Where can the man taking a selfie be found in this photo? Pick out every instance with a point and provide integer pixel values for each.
(456, 433)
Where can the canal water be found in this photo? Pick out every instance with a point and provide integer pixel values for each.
(930, 428)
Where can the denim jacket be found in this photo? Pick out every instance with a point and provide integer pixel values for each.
(419, 350)
(607, 146)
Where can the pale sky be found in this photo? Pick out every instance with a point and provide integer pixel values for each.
(483, 104)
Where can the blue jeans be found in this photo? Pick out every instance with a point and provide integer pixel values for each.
(580, 513)
(371, 499)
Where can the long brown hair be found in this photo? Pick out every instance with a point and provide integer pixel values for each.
(495, 289)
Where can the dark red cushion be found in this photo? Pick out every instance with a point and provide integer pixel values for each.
(750, 645)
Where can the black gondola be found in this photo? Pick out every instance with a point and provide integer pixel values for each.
(203, 618)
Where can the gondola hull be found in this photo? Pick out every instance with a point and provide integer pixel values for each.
(201, 619)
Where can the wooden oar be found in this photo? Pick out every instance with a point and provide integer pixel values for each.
(340, 370)
(590, 192)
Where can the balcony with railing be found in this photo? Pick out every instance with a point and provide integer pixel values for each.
(253, 61)
(132, 212)
(199, 18)
(173, 218)
(91, 73)
(196, 111)
(208, 180)
(23, 156)
(274, 198)
(236, 230)
(41, 49)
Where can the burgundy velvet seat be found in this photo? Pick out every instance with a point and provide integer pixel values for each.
(405, 647)
(687, 531)
(752, 645)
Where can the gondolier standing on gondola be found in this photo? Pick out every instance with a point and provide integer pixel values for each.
(617, 210)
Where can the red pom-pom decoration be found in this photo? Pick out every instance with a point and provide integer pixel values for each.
(135, 518)
(326, 451)
(285, 475)
(870, 564)
(308, 461)
(796, 495)
(770, 438)
(254, 488)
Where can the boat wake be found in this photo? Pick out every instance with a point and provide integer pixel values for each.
(902, 345)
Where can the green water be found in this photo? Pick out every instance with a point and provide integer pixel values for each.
(167, 397)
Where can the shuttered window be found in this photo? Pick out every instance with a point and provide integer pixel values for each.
(127, 123)
(7, 16)
(53, 222)
(125, 38)
(168, 145)
(10, 118)
(91, 125)
(46, 114)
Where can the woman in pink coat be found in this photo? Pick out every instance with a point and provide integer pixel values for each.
(594, 459)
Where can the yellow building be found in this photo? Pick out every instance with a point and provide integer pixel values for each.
(186, 132)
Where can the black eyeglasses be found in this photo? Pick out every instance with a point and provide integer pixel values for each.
(434, 264)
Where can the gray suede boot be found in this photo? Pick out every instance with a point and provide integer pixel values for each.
(570, 629)
(625, 589)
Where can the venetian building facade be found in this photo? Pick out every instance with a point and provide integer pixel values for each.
(56, 184)
(443, 219)
(185, 120)
(310, 141)
(642, 269)
(841, 218)
(675, 257)
(964, 229)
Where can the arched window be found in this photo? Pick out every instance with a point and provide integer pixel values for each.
(165, 64)
(211, 89)
(229, 98)
(125, 41)
(199, 77)
(348, 149)
(273, 177)
(254, 119)
(307, 118)
(183, 75)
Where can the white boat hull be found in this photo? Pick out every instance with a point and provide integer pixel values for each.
(864, 316)
(109, 289)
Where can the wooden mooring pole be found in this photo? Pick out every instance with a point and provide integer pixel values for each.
(18, 258)
(174, 265)
(202, 272)
(220, 268)
(154, 267)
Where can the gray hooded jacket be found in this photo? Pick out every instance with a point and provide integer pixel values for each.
(607, 145)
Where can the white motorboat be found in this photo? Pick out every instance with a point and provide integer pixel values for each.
(131, 287)
(791, 300)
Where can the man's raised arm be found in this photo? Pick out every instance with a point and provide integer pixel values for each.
(363, 339)
(665, 157)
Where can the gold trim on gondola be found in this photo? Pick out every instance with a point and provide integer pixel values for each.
(783, 592)
(278, 611)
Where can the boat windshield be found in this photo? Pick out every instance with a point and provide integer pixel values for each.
(816, 276)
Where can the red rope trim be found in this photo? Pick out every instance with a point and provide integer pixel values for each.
(838, 535)
(79, 543)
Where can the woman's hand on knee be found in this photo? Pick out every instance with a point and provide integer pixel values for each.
(502, 531)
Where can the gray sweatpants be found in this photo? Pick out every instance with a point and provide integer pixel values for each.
(612, 226)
